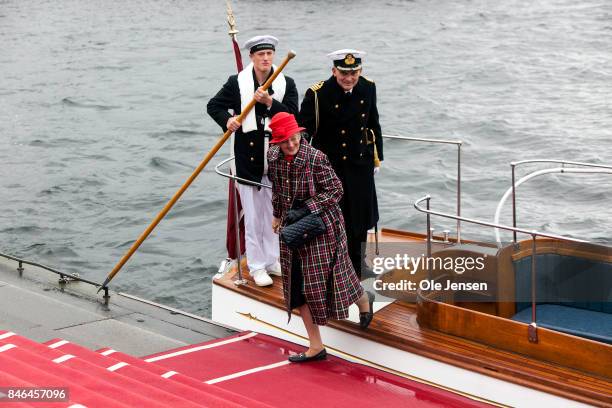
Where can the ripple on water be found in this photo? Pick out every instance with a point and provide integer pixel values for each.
(112, 67)
(88, 105)
(51, 191)
(178, 134)
(161, 163)
(59, 142)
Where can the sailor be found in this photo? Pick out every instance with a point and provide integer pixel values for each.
(341, 116)
(250, 145)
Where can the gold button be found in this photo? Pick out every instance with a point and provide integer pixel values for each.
(343, 157)
(343, 144)
(362, 128)
(252, 159)
(363, 115)
(251, 144)
(361, 141)
(361, 101)
(336, 106)
(343, 131)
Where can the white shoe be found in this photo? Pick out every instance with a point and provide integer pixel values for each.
(274, 269)
(261, 278)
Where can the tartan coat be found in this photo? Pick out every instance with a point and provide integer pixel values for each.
(330, 282)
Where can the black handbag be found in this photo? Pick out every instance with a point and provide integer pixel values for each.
(306, 228)
(303, 231)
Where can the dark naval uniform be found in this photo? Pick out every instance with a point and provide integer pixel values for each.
(249, 148)
(348, 129)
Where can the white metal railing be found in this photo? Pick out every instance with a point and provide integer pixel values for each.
(579, 167)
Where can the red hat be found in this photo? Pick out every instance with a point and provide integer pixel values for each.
(283, 126)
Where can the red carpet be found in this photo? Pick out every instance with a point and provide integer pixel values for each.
(334, 382)
(244, 370)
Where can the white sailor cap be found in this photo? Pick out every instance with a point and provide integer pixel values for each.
(261, 42)
(347, 59)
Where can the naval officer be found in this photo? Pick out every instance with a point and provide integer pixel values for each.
(341, 116)
(250, 145)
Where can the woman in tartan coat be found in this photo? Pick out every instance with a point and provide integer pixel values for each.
(318, 277)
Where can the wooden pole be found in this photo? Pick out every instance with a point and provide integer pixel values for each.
(193, 176)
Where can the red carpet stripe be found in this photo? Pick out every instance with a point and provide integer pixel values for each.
(57, 344)
(6, 335)
(188, 350)
(247, 372)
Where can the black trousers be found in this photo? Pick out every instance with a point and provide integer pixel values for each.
(297, 282)
(354, 241)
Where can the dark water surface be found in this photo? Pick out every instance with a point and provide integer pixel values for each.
(101, 119)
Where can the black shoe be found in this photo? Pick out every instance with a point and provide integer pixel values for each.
(302, 358)
(366, 272)
(365, 318)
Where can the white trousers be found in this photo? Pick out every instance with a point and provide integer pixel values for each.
(262, 248)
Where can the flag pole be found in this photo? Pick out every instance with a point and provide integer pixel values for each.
(233, 215)
(233, 32)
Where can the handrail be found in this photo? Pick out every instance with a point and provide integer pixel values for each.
(458, 143)
(514, 165)
(421, 139)
(236, 178)
(62, 275)
(493, 225)
(532, 329)
(573, 163)
(591, 169)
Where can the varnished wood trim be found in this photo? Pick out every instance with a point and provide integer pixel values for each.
(553, 346)
(414, 236)
(506, 283)
(524, 253)
(548, 246)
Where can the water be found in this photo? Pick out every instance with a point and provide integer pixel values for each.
(102, 119)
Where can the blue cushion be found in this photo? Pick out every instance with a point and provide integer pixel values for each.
(578, 322)
(565, 280)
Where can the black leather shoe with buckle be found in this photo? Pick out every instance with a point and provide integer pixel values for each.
(303, 358)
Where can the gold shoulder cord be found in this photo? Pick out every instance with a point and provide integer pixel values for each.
(314, 89)
(376, 159)
(367, 79)
(316, 114)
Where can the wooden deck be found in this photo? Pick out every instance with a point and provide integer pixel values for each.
(396, 326)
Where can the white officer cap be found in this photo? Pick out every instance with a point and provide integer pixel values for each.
(347, 59)
(261, 42)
